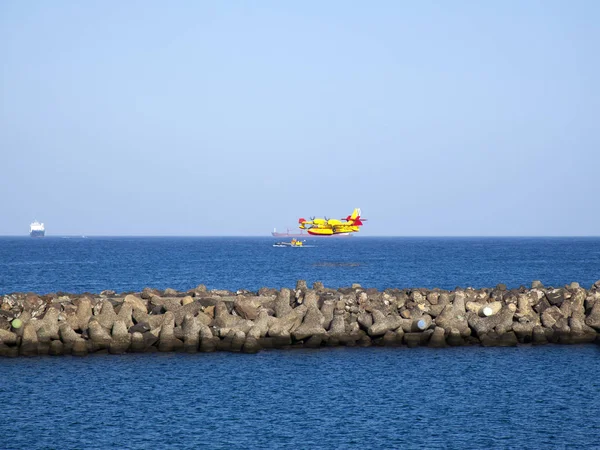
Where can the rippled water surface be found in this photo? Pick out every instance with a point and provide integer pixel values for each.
(526, 397)
(129, 264)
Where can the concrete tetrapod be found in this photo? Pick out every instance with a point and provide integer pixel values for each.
(203, 320)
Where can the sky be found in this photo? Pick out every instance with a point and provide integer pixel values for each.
(192, 118)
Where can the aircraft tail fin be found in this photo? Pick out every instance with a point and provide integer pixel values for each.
(354, 217)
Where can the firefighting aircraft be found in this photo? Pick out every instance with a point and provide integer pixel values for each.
(328, 227)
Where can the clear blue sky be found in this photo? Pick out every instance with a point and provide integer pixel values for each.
(231, 118)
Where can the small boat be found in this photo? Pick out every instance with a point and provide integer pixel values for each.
(292, 243)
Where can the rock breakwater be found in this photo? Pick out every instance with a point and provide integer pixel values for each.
(217, 320)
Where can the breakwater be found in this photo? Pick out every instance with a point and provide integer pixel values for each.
(200, 320)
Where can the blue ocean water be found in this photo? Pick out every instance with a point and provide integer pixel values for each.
(130, 264)
(376, 398)
(380, 398)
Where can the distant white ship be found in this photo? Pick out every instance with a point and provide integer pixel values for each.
(37, 229)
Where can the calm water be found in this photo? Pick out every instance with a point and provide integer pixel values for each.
(526, 397)
(130, 264)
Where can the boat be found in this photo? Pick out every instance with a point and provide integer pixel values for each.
(302, 234)
(37, 229)
(292, 243)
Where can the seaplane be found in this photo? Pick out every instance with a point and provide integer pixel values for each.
(330, 227)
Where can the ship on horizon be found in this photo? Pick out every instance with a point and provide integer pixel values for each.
(302, 234)
(37, 229)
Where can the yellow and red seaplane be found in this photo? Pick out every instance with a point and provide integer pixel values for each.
(328, 227)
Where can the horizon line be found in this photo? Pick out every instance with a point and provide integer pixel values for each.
(309, 237)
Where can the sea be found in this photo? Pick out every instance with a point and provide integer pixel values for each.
(331, 398)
